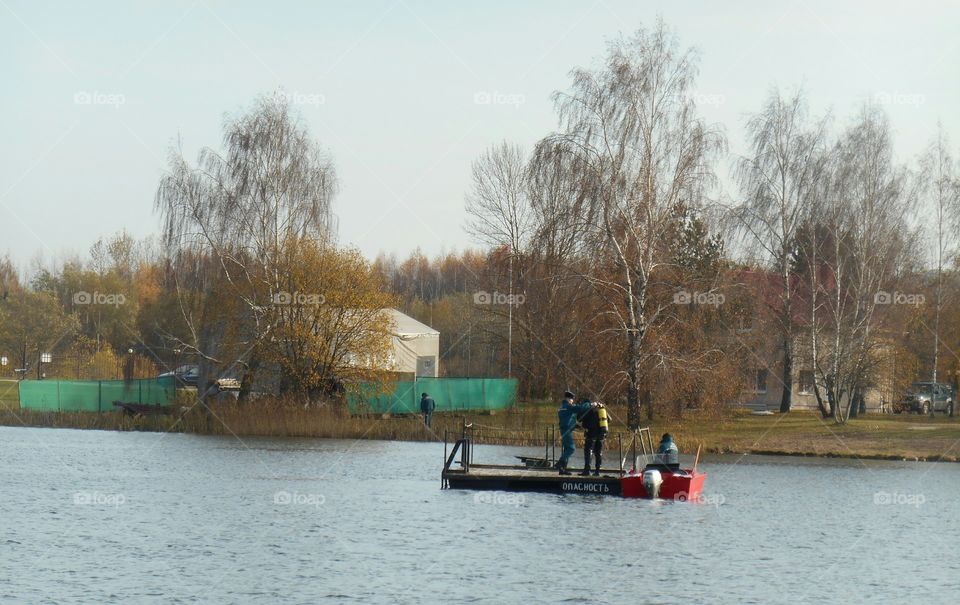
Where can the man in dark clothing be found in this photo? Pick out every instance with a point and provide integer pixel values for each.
(427, 405)
(668, 456)
(595, 427)
(567, 419)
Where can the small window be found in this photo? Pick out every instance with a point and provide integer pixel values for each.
(761, 385)
(806, 382)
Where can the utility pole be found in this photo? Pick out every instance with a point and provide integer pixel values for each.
(510, 322)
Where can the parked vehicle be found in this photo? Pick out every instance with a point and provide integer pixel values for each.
(922, 395)
(186, 375)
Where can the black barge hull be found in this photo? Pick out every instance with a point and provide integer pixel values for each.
(518, 479)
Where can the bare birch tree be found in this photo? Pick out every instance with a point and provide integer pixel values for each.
(778, 182)
(231, 213)
(862, 219)
(499, 210)
(941, 193)
(640, 148)
(497, 204)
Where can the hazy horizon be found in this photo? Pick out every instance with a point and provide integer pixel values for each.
(404, 95)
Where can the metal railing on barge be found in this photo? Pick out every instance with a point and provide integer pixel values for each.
(640, 445)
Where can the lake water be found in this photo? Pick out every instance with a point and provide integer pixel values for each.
(98, 517)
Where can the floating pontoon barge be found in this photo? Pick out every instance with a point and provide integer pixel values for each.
(535, 474)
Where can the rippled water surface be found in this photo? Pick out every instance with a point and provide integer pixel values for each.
(95, 517)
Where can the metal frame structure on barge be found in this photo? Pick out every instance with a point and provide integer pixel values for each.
(540, 475)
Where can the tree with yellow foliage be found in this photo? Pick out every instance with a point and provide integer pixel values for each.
(327, 326)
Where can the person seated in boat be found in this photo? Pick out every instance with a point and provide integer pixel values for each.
(567, 420)
(668, 456)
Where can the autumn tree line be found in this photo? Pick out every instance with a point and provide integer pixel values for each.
(615, 257)
(626, 271)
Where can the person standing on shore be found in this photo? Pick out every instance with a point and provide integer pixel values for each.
(427, 405)
(567, 419)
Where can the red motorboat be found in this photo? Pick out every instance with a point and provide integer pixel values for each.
(668, 484)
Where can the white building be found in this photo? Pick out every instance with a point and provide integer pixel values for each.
(416, 346)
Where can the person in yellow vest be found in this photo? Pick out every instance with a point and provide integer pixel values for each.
(595, 426)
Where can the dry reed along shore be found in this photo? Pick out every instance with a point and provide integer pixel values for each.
(797, 433)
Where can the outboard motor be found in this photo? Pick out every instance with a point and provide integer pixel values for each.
(652, 479)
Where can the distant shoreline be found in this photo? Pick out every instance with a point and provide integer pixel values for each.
(803, 434)
(839, 456)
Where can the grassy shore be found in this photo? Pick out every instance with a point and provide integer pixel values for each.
(9, 394)
(874, 436)
(797, 433)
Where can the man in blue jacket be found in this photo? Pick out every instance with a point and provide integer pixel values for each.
(427, 405)
(567, 419)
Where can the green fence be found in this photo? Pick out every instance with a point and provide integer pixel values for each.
(94, 395)
(451, 394)
(403, 397)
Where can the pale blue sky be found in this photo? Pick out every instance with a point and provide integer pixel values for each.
(94, 94)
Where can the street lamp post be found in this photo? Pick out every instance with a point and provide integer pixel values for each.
(128, 365)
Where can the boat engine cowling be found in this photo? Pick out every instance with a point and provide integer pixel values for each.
(652, 479)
